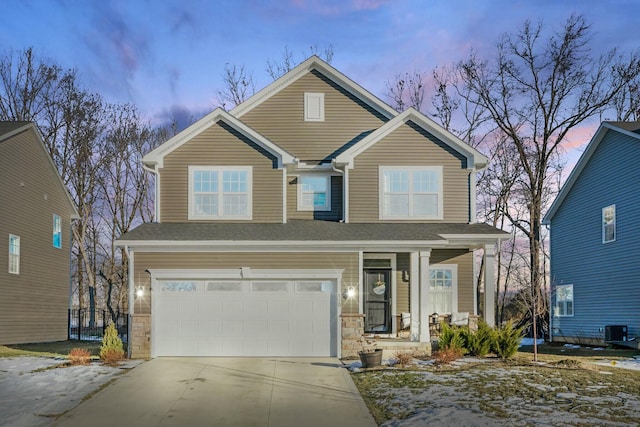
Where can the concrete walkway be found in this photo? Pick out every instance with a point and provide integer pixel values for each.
(265, 392)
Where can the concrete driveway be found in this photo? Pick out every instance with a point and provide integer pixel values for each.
(273, 392)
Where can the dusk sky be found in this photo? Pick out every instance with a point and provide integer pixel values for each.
(169, 55)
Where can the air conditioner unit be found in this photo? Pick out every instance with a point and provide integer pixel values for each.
(615, 333)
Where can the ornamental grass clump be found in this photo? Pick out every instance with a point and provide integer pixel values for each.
(79, 356)
(111, 351)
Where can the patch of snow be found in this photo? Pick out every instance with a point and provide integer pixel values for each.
(631, 363)
(571, 346)
(32, 389)
(529, 341)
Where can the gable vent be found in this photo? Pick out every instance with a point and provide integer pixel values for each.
(313, 107)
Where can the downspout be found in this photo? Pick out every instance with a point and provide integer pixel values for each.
(131, 298)
(70, 279)
(345, 191)
(284, 194)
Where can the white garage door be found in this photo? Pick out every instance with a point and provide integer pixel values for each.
(243, 318)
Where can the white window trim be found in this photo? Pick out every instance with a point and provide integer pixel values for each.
(220, 169)
(454, 286)
(302, 207)
(57, 230)
(615, 231)
(411, 169)
(313, 97)
(14, 256)
(573, 305)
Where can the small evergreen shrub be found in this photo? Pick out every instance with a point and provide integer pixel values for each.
(479, 343)
(79, 356)
(453, 338)
(111, 351)
(506, 341)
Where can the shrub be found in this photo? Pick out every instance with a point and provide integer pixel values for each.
(479, 343)
(111, 351)
(506, 341)
(453, 338)
(403, 358)
(447, 355)
(79, 356)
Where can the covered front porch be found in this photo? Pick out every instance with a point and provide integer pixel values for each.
(402, 298)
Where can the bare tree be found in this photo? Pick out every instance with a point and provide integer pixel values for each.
(287, 62)
(238, 86)
(626, 103)
(535, 92)
(406, 90)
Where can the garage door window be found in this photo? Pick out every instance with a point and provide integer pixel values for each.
(269, 287)
(313, 286)
(179, 286)
(224, 286)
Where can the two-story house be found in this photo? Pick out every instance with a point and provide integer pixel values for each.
(595, 294)
(304, 217)
(35, 239)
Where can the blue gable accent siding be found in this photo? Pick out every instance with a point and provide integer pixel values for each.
(605, 277)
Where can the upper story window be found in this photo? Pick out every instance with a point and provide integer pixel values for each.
(220, 192)
(57, 231)
(14, 254)
(314, 193)
(313, 107)
(609, 224)
(564, 300)
(411, 192)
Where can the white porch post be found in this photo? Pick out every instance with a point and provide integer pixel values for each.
(424, 285)
(414, 296)
(489, 285)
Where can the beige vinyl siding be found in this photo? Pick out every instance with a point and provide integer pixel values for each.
(408, 146)
(220, 146)
(262, 260)
(336, 201)
(281, 119)
(34, 303)
(403, 263)
(464, 259)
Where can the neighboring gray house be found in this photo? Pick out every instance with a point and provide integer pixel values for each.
(595, 256)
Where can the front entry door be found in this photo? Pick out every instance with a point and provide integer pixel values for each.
(377, 300)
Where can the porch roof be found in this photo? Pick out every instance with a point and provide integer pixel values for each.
(310, 231)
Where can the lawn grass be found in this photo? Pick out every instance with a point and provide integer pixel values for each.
(49, 349)
(553, 352)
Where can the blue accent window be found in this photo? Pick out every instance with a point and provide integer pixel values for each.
(57, 231)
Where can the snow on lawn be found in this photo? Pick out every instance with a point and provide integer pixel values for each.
(33, 392)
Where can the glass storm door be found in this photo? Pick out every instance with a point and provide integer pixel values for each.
(377, 299)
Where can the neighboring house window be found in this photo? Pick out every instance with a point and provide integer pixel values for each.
(313, 107)
(564, 300)
(57, 231)
(443, 289)
(218, 192)
(609, 224)
(14, 254)
(411, 192)
(314, 193)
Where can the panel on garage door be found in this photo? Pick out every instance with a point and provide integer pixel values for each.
(242, 318)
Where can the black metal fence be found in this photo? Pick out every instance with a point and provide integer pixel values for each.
(89, 325)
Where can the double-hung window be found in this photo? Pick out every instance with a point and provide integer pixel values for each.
(14, 254)
(57, 231)
(411, 192)
(314, 193)
(443, 289)
(220, 192)
(609, 224)
(564, 300)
